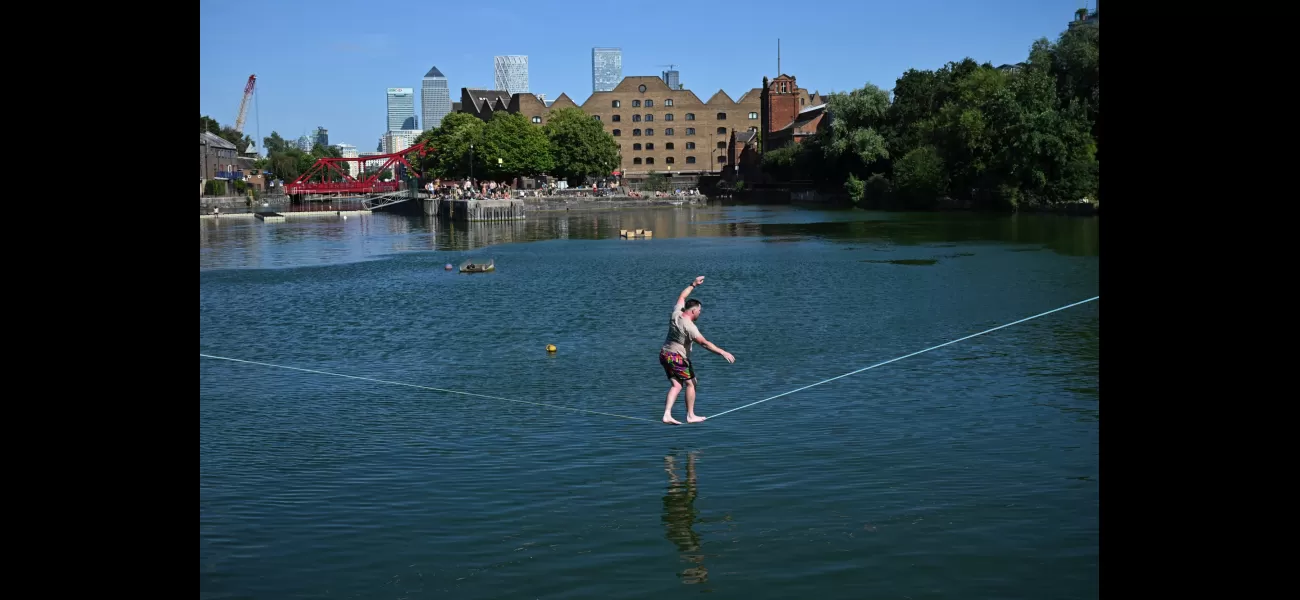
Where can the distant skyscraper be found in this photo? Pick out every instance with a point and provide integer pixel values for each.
(401, 109)
(323, 136)
(397, 141)
(435, 98)
(511, 73)
(350, 151)
(606, 68)
(673, 79)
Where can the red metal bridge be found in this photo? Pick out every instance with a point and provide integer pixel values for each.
(336, 168)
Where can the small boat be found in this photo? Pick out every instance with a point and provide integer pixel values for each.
(486, 267)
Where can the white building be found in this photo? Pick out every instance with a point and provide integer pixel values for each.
(511, 73)
(397, 141)
(371, 164)
(606, 68)
(349, 151)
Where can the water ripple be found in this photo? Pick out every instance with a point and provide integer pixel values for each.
(970, 471)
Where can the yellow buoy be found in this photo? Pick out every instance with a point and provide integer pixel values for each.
(550, 347)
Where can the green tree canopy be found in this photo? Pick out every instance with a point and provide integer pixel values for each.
(998, 137)
(449, 155)
(580, 146)
(513, 147)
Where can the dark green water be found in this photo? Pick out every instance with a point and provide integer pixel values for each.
(966, 472)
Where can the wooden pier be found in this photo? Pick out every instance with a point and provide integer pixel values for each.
(475, 210)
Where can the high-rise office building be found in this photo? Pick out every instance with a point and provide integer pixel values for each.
(606, 68)
(401, 109)
(511, 73)
(435, 98)
(323, 136)
(397, 141)
(673, 79)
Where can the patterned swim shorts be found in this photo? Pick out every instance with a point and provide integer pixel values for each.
(676, 366)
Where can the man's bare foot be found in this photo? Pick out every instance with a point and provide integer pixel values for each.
(671, 421)
(694, 419)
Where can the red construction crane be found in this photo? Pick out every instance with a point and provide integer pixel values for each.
(243, 104)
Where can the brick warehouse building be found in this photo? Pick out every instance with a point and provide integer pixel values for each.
(658, 129)
(790, 112)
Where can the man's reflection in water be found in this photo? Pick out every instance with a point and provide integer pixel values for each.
(680, 516)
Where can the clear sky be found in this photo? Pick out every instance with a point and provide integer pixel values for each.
(328, 63)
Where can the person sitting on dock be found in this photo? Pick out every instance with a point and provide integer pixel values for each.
(675, 355)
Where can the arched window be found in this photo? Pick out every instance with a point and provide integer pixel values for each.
(722, 131)
(616, 104)
(649, 160)
(649, 117)
(649, 132)
(690, 160)
(669, 160)
(636, 161)
(753, 115)
(649, 103)
(636, 118)
(668, 131)
(636, 146)
(690, 116)
(636, 104)
(668, 117)
(722, 116)
(616, 118)
(690, 145)
(537, 119)
(617, 132)
(668, 102)
(668, 146)
(636, 132)
(650, 146)
(690, 131)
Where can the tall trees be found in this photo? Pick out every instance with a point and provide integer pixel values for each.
(1000, 138)
(580, 146)
(572, 146)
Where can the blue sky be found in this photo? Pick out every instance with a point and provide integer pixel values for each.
(328, 63)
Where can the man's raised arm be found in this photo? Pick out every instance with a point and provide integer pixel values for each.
(681, 298)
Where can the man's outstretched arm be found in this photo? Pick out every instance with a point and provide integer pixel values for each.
(681, 298)
(711, 347)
